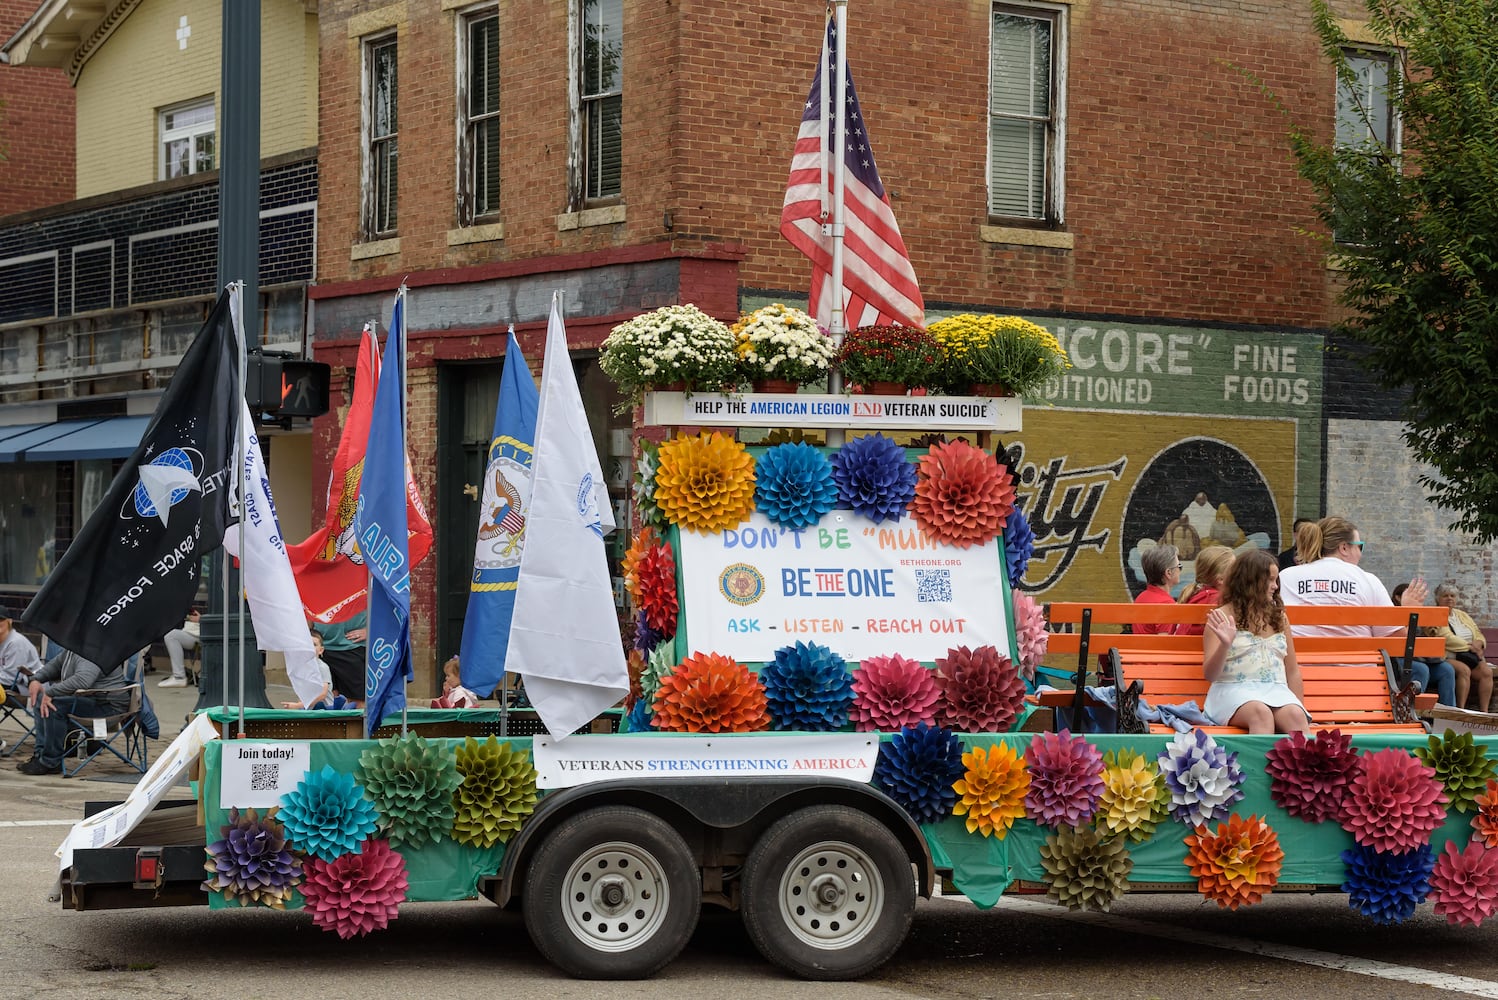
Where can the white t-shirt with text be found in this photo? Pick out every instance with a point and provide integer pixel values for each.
(1337, 582)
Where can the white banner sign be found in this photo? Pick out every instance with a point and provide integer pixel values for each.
(803, 409)
(862, 589)
(256, 775)
(582, 760)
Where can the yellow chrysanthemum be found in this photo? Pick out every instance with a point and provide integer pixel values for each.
(705, 483)
(1007, 350)
(1131, 802)
(992, 791)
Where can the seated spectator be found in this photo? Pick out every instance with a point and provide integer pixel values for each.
(323, 674)
(177, 642)
(18, 657)
(454, 694)
(1247, 654)
(1432, 673)
(1329, 574)
(1212, 565)
(1465, 645)
(52, 697)
(1162, 570)
(1288, 557)
(343, 650)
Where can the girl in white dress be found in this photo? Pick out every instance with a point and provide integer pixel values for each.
(1248, 656)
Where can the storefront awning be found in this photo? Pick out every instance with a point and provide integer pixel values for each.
(75, 440)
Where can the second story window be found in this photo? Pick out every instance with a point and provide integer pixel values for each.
(1024, 115)
(187, 139)
(381, 134)
(601, 93)
(478, 110)
(1367, 123)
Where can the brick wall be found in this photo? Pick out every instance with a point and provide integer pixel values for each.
(36, 130)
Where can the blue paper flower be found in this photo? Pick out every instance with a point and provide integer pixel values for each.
(808, 687)
(793, 485)
(1204, 780)
(326, 814)
(917, 768)
(1387, 886)
(1019, 545)
(640, 718)
(646, 638)
(874, 478)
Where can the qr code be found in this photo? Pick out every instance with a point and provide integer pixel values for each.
(265, 776)
(933, 586)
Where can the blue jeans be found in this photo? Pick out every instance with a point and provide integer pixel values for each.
(52, 729)
(1442, 681)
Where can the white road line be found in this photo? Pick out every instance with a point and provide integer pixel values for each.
(37, 822)
(1267, 949)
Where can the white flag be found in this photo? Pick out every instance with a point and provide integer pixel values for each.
(269, 586)
(564, 638)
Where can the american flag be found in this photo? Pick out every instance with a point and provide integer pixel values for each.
(879, 285)
(512, 522)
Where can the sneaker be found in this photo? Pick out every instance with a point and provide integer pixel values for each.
(22, 763)
(173, 682)
(35, 766)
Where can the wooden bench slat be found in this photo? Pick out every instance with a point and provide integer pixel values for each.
(1071, 642)
(1070, 612)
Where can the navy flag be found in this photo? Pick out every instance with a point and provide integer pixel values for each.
(131, 573)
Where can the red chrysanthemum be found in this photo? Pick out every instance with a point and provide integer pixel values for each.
(1464, 883)
(1309, 778)
(1238, 863)
(711, 693)
(657, 574)
(355, 893)
(892, 692)
(1485, 823)
(962, 495)
(981, 690)
(1393, 802)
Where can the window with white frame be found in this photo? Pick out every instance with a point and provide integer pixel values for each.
(478, 115)
(1025, 114)
(187, 139)
(1367, 121)
(381, 129)
(601, 90)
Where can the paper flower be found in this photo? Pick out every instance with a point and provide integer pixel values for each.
(1461, 765)
(1066, 779)
(356, 893)
(644, 540)
(793, 485)
(1464, 883)
(705, 483)
(891, 692)
(1485, 821)
(497, 794)
(981, 690)
(1387, 887)
(918, 767)
(1238, 863)
(991, 792)
(1030, 633)
(1085, 869)
(807, 687)
(1309, 777)
(962, 497)
(1393, 802)
(634, 663)
(1019, 545)
(1204, 780)
(710, 693)
(326, 814)
(1134, 799)
(660, 664)
(411, 781)
(646, 638)
(643, 488)
(874, 477)
(640, 718)
(251, 863)
(657, 574)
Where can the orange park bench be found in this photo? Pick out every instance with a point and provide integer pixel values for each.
(1349, 681)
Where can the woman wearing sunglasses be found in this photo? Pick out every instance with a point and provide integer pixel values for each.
(1330, 551)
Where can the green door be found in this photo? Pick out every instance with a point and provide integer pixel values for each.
(467, 395)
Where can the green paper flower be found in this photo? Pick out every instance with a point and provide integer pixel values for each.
(411, 781)
(660, 665)
(1085, 869)
(1461, 765)
(497, 793)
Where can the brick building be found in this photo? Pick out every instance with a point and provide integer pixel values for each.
(36, 127)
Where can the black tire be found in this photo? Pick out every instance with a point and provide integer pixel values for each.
(828, 893)
(612, 893)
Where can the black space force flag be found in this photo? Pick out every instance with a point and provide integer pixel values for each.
(131, 574)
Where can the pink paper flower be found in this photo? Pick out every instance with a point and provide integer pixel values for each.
(981, 690)
(355, 893)
(1464, 884)
(1393, 802)
(1066, 779)
(891, 692)
(1309, 778)
(1030, 633)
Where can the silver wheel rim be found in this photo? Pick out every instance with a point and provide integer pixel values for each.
(831, 895)
(615, 897)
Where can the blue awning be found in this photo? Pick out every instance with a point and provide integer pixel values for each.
(13, 449)
(13, 429)
(114, 437)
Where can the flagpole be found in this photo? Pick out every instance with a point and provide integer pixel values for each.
(839, 159)
(369, 580)
(236, 314)
(405, 702)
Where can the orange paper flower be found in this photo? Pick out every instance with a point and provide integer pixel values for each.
(711, 693)
(1237, 864)
(642, 543)
(1485, 823)
(962, 496)
(992, 791)
(705, 483)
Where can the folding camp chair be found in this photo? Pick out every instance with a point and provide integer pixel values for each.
(119, 733)
(13, 710)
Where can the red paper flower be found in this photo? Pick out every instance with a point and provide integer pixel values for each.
(1238, 863)
(1464, 884)
(962, 495)
(981, 690)
(891, 692)
(1309, 778)
(711, 693)
(643, 542)
(355, 893)
(1485, 823)
(657, 574)
(1393, 802)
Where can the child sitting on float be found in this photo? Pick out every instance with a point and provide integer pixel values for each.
(1248, 655)
(454, 694)
(325, 697)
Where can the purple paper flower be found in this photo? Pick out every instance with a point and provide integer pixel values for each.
(1066, 780)
(874, 478)
(251, 863)
(646, 638)
(1204, 780)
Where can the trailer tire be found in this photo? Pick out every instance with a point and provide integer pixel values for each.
(612, 893)
(828, 893)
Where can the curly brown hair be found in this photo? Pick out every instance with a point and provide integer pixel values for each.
(1246, 591)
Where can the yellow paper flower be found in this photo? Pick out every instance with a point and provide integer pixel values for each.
(705, 483)
(1134, 798)
(992, 792)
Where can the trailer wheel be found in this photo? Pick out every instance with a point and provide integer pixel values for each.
(612, 893)
(828, 893)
